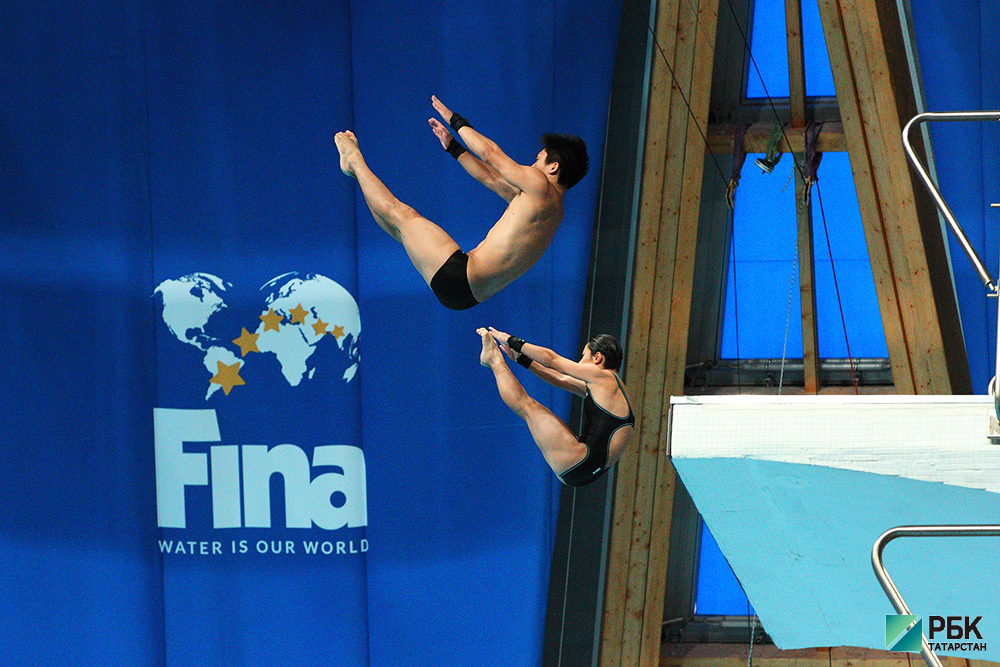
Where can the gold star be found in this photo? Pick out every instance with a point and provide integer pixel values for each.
(298, 314)
(271, 320)
(228, 376)
(338, 331)
(319, 327)
(247, 342)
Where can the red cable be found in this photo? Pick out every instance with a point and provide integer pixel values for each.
(836, 287)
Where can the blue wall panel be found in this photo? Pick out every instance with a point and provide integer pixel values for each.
(78, 570)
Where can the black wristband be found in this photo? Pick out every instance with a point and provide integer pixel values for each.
(515, 343)
(458, 122)
(455, 149)
(524, 360)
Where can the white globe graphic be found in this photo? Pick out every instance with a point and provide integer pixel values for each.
(299, 312)
(325, 301)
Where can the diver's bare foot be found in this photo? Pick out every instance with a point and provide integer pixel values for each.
(347, 145)
(490, 355)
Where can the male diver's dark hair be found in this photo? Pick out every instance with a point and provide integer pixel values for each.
(608, 346)
(571, 154)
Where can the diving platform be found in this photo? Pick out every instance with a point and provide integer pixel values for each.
(797, 489)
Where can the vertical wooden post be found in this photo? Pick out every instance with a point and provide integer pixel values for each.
(803, 211)
(661, 305)
(807, 287)
(905, 244)
(796, 63)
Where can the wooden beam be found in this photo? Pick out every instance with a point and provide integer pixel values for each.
(661, 302)
(803, 210)
(848, 99)
(875, 94)
(767, 655)
(614, 641)
(830, 140)
(613, 637)
(807, 284)
(685, 220)
(796, 63)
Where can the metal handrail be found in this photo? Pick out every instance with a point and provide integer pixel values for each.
(919, 531)
(970, 252)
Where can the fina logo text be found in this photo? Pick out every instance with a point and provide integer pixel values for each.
(332, 500)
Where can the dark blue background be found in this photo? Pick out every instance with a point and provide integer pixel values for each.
(141, 143)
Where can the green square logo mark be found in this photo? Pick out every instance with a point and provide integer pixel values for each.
(903, 632)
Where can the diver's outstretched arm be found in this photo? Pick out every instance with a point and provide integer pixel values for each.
(546, 357)
(475, 167)
(554, 378)
(525, 178)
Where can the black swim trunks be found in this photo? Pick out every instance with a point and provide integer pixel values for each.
(599, 426)
(451, 283)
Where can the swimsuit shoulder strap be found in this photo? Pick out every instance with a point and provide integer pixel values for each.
(621, 388)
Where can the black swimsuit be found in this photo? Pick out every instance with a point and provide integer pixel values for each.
(599, 426)
(450, 283)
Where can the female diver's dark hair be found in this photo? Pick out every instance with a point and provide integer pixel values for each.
(608, 346)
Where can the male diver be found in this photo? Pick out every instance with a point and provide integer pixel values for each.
(535, 208)
(608, 420)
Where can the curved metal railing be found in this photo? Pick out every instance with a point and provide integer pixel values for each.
(984, 275)
(949, 217)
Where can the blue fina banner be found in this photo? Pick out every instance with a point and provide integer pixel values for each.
(202, 467)
(261, 480)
